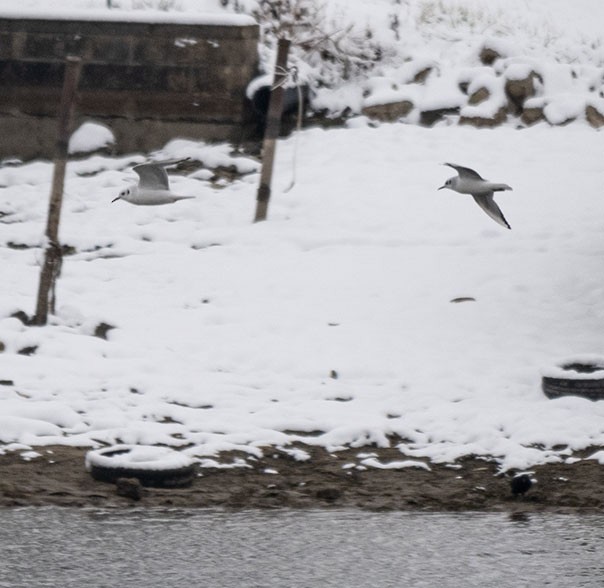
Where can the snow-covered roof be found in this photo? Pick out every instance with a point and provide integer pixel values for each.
(130, 16)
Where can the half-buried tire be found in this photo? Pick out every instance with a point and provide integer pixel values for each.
(159, 467)
(582, 376)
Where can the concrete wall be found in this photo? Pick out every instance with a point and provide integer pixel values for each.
(149, 82)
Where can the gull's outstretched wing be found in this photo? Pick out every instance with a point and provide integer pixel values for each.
(465, 172)
(488, 204)
(152, 176)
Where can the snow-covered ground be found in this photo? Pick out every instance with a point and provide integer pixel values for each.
(332, 322)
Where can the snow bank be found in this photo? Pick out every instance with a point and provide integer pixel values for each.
(27, 431)
(330, 324)
(372, 462)
(90, 137)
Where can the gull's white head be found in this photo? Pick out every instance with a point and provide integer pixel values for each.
(123, 195)
(450, 183)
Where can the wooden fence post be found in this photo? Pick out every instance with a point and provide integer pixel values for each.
(53, 255)
(271, 133)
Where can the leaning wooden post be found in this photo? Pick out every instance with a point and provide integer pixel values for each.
(271, 133)
(52, 254)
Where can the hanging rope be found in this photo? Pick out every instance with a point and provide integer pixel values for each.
(291, 74)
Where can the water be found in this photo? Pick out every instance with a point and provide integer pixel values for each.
(68, 548)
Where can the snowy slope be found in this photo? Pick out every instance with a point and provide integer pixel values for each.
(332, 322)
(227, 332)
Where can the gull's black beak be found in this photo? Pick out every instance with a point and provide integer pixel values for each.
(441, 187)
(118, 198)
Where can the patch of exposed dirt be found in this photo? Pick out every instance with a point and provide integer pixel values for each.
(277, 480)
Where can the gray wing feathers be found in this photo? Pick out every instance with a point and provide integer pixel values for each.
(486, 202)
(464, 172)
(499, 187)
(153, 176)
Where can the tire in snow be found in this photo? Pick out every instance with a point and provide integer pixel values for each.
(159, 467)
(582, 376)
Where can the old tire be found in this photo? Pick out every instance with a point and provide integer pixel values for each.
(159, 467)
(582, 377)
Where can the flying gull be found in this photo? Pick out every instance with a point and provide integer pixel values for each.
(469, 182)
(153, 187)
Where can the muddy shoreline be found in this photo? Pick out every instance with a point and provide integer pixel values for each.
(58, 477)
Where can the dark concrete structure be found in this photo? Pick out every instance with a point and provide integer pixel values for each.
(147, 81)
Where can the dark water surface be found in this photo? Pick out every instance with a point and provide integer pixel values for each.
(69, 548)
